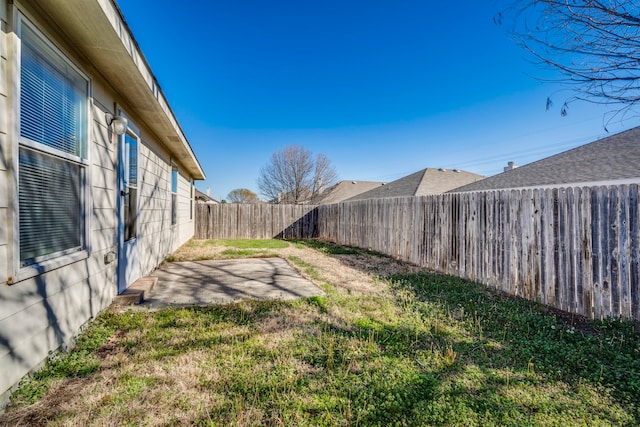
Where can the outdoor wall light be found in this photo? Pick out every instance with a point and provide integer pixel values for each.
(119, 123)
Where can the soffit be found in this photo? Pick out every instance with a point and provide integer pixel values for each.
(99, 32)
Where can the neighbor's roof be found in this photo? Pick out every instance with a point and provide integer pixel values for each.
(421, 183)
(611, 160)
(204, 197)
(99, 31)
(345, 190)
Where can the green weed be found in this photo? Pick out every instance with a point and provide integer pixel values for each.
(249, 244)
(245, 253)
(436, 351)
(328, 248)
(81, 361)
(307, 268)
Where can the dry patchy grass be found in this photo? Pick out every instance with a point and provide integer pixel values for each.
(408, 348)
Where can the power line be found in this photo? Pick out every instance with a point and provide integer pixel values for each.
(522, 156)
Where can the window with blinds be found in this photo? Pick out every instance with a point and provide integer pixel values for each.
(191, 199)
(131, 187)
(53, 97)
(52, 138)
(50, 198)
(174, 194)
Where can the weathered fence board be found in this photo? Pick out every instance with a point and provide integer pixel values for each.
(634, 252)
(255, 221)
(575, 249)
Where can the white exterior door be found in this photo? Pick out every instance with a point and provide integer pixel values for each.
(128, 210)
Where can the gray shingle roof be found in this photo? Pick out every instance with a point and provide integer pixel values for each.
(345, 190)
(202, 197)
(421, 183)
(613, 158)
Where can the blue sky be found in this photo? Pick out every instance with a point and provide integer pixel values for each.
(383, 88)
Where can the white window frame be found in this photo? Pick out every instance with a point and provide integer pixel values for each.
(127, 185)
(174, 206)
(48, 263)
(191, 193)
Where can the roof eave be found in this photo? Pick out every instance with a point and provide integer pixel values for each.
(98, 30)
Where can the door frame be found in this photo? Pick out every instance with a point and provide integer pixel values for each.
(128, 267)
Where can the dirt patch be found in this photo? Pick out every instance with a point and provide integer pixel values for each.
(576, 321)
(58, 400)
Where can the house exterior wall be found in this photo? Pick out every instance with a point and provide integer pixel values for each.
(186, 223)
(158, 237)
(4, 160)
(42, 313)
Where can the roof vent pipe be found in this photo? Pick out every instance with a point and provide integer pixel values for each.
(510, 166)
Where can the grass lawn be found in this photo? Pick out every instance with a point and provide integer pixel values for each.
(423, 349)
(198, 250)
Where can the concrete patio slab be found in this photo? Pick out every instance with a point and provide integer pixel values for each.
(224, 281)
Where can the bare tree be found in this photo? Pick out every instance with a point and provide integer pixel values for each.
(242, 195)
(594, 44)
(294, 176)
(324, 176)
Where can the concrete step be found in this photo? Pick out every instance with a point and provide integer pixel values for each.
(137, 292)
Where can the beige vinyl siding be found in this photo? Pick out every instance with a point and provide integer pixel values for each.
(4, 147)
(42, 313)
(185, 228)
(154, 222)
(102, 177)
(157, 236)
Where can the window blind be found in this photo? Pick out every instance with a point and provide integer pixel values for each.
(50, 198)
(174, 195)
(131, 198)
(52, 98)
(53, 114)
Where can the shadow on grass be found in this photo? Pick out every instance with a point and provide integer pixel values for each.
(444, 351)
(605, 354)
(507, 339)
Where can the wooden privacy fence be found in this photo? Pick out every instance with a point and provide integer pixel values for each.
(255, 221)
(575, 249)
